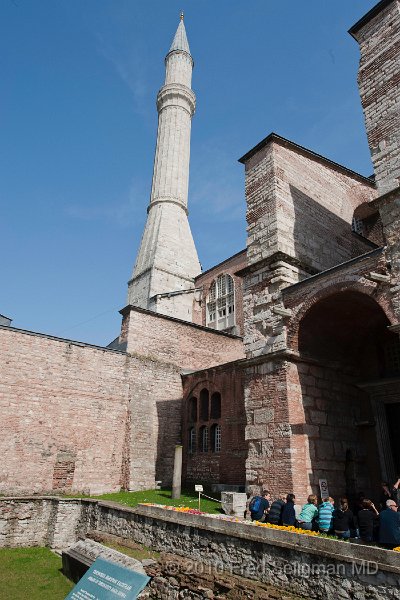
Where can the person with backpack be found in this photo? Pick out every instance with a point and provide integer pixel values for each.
(259, 506)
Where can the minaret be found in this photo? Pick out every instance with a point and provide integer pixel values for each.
(167, 261)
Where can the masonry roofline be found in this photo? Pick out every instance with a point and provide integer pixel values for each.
(244, 251)
(127, 309)
(370, 15)
(331, 270)
(274, 137)
(59, 339)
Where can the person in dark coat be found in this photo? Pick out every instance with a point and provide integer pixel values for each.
(275, 512)
(343, 520)
(389, 525)
(368, 519)
(389, 492)
(288, 512)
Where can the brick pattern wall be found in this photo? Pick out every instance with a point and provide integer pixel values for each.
(81, 418)
(177, 342)
(64, 410)
(204, 281)
(269, 461)
(299, 213)
(295, 202)
(389, 208)
(379, 84)
(228, 465)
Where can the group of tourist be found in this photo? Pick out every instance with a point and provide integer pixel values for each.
(363, 522)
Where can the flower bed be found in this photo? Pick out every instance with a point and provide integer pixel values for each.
(290, 528)
(193, 511)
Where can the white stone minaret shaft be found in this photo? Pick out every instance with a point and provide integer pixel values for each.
(167, 261)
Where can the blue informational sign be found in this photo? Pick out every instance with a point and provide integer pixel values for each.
(108, 581)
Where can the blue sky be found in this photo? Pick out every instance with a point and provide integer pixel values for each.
(78, 127)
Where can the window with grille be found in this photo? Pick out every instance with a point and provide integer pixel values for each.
(204, 439)
(221, 303)
(192, 440)
(357, 226)
(216, 438)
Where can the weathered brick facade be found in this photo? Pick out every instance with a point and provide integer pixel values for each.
(378, 34)
(314, 390)
(214, 464)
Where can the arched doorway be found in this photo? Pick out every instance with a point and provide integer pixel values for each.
(351, 392)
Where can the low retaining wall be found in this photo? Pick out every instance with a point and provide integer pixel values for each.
(310, 566)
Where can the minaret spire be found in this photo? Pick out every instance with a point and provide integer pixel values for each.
(167, 262)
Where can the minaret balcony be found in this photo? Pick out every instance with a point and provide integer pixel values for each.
(176, 94)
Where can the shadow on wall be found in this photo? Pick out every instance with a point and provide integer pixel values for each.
(321, 238)
(169, 418)
(347, 333)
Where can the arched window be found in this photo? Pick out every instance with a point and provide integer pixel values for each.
(192, 440)
(192, 409)
(203, 439)
(216, 438)
(221, 303)
(215, 406)
(204, 400)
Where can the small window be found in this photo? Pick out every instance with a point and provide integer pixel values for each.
(192, 409)
(357, 226)
(203, 439)
(216, 438)
(192, 440)
(216, 406)
(204, 400)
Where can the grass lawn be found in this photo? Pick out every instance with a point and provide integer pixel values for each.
(163, 496)
(32, 574)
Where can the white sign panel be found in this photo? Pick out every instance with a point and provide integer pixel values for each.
(323, 486)
(198, 488)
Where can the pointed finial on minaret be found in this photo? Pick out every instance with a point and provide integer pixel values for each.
(182, 15)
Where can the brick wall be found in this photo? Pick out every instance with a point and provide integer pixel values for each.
(379, 84)
(183, 344)
(228, 465)
(296, 201)
(82, 418)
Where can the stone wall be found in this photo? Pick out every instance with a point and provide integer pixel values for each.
(313, 567)
(378, 35)
(296, 200)
(84, 418)
(186, 345)
(226, 466)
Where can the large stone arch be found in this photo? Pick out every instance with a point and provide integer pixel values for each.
(373, 290)
(347, 383)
